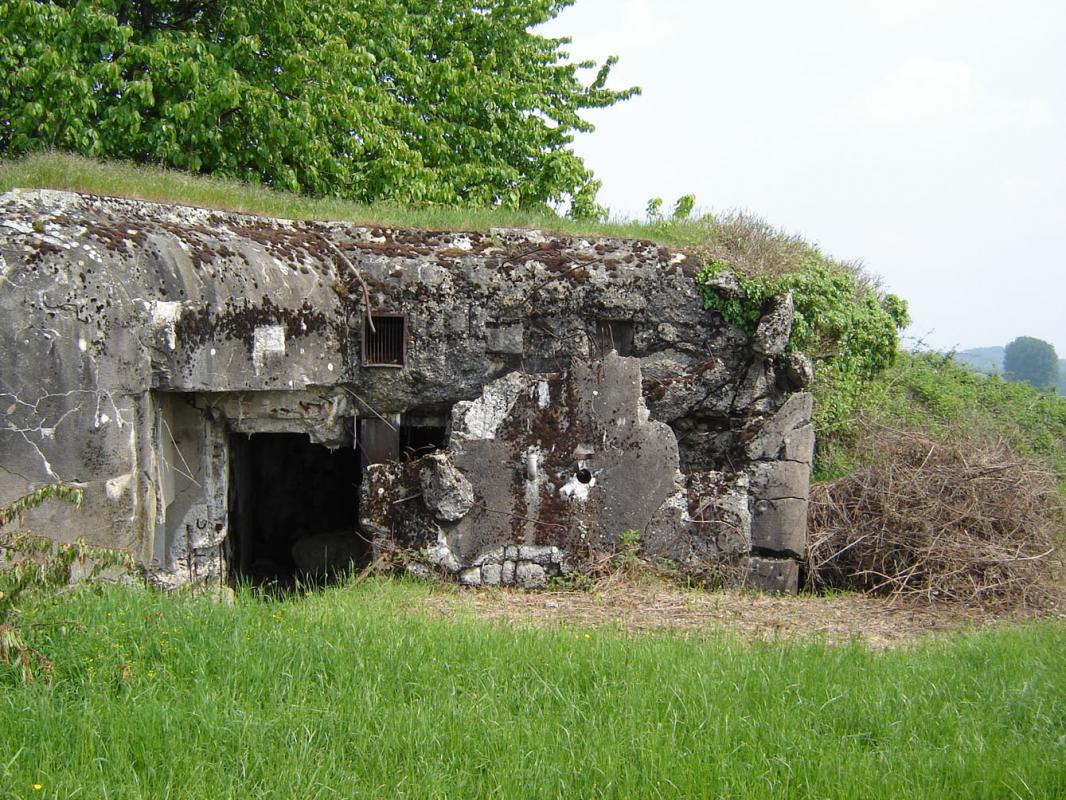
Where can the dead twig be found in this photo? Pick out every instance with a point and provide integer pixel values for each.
(358, 276)
(937, 520)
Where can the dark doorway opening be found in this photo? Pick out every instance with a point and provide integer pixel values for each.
(294, 509)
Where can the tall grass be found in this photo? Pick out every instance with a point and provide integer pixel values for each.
(748, 242)
(349, 693)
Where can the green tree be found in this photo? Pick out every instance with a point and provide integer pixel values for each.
(453, 102)
(1031, 360)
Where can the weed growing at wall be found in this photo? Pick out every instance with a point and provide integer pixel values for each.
(36, 567)
(848, 329)
(628, 549)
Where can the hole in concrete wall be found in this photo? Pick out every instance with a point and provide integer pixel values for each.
(423, 430)
(294, 509)
(583, 475)
(420, 440)
(386, 344)
(385, 440)
(615, 334)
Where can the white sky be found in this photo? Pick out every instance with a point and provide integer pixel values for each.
(926, 138)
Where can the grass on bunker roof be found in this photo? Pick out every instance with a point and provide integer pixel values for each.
(369, 690)
(748, 242)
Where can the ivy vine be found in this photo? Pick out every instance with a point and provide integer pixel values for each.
(849, 330)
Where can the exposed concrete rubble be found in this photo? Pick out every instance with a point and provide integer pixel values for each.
(540, 396)
(446, 492)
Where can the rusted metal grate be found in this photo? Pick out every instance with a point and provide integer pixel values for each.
(386, 344)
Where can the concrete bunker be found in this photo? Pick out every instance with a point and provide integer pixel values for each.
(215, 383)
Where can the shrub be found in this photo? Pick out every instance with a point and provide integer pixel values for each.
(848, 329)
(937, 519)
(932, 393)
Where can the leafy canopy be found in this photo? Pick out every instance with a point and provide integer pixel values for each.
(453, 102)
(1031, 360)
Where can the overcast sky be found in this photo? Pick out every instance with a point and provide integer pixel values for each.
(926, 138)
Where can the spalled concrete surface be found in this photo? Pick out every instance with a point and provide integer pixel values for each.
(706, 519)
(557, 463)
(140, 339)
(446, 491)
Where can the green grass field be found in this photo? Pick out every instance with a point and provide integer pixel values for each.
(352, 693)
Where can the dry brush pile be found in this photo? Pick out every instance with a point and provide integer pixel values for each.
(939, 521)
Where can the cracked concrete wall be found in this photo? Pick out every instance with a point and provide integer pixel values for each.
(111, 306)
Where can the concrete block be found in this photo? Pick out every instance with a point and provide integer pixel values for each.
(780, 526)
(530, 576)
(491, 574)
(772, 575)
(779, 480)
(507, 573)
(799, 445)
(539, 554)
(470, 576)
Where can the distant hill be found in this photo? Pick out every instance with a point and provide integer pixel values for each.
(988, 360)
(982, 359)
